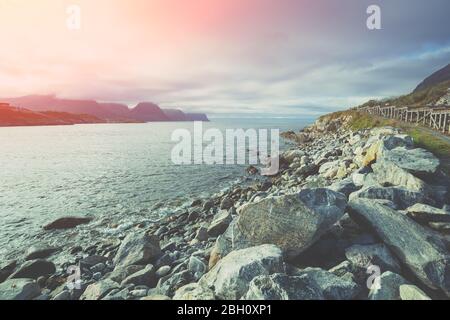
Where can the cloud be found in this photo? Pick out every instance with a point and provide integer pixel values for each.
(224, 56)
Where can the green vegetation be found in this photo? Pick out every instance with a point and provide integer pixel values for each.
(427, 96)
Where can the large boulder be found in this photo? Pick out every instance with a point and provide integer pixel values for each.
(292, 222)
(146, 277)
(137, 248)
(388, 173)
(420, 250)
(388, 287)
(19, 289)
(67, 223)
(282, 287)
(33, 269)
(230, 277)
(416, 161)
(401, 197)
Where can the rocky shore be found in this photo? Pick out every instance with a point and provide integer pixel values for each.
(350, 215)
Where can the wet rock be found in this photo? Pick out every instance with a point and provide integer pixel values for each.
(137, 248)
(421, 251)
(19, 289)
(146, 277)
(33, 269)
(220, 223)
(40, 252)
(6, 269)
(226, 203)
(193, 291)
(208, 205)
(98, 290)
(230, 277)
(411, 292)
(292, 222)
(67, 223)
(363, 256)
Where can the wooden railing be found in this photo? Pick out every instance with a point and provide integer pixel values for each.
(435, 117)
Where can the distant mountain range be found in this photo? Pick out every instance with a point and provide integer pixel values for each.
(13, 116)
(107, 112)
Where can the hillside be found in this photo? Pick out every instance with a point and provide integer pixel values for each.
(434, 79)
(12, 116)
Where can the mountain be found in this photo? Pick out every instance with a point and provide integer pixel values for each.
(148, 112)
(110, 112)
(13, 116)
(436, 78)
(175, 114)
(197, 117)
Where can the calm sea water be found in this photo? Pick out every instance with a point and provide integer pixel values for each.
(113, 170)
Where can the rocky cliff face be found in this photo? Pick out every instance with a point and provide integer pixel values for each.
(434, 79)
(351, 215)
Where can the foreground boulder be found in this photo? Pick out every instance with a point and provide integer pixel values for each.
(401, 197)
(193, 291)
(230, 277)
(292, 222)
(388, 173)
(411, 292)
(19, 289)
(67, 223)
(416, 161)
(34, 269)
(136, 249)
(421, 251)
(388, 287)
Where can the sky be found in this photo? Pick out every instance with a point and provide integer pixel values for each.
(249, 57)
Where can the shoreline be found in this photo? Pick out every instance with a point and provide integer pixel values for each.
(325, 186)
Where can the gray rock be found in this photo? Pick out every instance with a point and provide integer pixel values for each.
(117, 295)
(345, 186)
(411, 292)
(163, 271)
(420, 250)
(91, 261)
(415, 161)
(197, 267)
(146, 277)
(331, 286)
(193, 291)
(389, 287)
(33, 269)
(388, 173)
(137, 248)
(171, 283)
(230, 277)
(119, 274)
(292, 222)
(98, 290)
(363, 256)
(19, 289)
(40, 252)
(425, 213)
(283, 287)
(401, 197)
(202, 234)
(220, 223)
(67, 223)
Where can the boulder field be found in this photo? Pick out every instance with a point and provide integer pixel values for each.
(351, 215)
